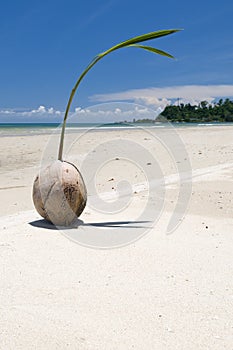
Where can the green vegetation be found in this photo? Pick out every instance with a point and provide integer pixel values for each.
(222, 111)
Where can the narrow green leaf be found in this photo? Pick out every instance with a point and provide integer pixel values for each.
(139, 39)
(154, 50)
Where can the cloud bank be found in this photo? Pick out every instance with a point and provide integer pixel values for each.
(50, 115)
(155, 97)
(147, 103)
(114, 112)
(100, 113)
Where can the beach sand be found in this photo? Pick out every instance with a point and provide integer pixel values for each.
(162, 291)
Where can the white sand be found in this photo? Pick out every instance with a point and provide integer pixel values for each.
(161, 292)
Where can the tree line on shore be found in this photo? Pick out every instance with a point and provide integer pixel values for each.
(221, 111)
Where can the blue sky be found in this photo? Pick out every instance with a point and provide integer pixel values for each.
(45, 45)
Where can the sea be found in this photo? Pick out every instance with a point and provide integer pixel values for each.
(26, 129)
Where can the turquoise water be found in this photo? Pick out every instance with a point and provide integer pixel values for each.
(24, 129)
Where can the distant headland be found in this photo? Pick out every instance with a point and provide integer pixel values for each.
(221, 111)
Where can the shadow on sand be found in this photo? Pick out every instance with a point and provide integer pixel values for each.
(111, 224)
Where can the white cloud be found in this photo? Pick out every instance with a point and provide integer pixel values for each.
(160, 97)
(101, 113)
(41, 110)
(7, 111)
(112, 112)
(24, 115)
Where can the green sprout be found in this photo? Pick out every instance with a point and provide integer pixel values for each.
(133, 42)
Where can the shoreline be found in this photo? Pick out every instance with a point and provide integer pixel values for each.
(44, 129)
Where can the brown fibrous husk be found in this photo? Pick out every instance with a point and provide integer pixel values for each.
(59, 193)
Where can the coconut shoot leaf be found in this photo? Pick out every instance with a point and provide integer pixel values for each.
(139, 39)
(130, 42)
(154, 50)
